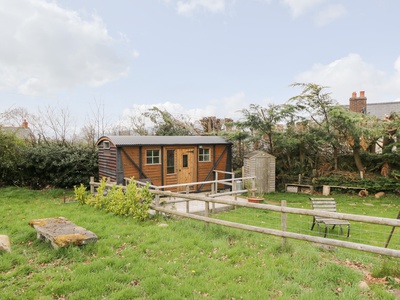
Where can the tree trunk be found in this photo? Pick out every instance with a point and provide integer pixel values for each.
(335, 157)
(386, 142)
(357, 159)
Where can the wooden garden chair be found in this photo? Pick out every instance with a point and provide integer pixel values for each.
(327, 204)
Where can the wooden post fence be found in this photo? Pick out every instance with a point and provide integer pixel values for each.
(283, 209)
(283, 233)
(283, 222)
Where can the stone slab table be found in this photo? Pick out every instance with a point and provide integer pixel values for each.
(61, 232)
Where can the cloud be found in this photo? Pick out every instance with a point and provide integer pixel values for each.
(397, 64)
(300, 7)
(227, 107)
(351, 74)
(330, 14)
(189, 7)
(323, 16)
(46, 48)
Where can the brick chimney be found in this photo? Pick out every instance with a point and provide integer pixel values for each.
(25, 124)
(358, 104)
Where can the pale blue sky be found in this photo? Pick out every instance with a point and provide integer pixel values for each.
(194, 57)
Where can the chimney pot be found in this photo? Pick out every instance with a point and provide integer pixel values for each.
(362, 94)
(25, 124)
(354, 95)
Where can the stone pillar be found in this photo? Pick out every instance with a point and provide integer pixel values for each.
(326, 190)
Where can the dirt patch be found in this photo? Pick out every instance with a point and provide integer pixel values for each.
(368, 276)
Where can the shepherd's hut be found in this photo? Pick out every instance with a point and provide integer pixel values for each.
(164, 160)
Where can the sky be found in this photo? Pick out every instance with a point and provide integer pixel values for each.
(193, 57)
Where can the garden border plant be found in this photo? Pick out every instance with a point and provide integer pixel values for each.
(128, 201)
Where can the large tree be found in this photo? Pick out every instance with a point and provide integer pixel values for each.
(238, 138)
(315, 105)
(390, 144)
(357, 130)
(166, 124)
(263, 123)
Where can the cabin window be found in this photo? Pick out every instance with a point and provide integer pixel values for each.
(152, 157)
(106, 145)
(185, 161)
(170, 161)
(204, 154)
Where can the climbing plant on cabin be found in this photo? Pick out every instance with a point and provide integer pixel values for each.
(131, 202)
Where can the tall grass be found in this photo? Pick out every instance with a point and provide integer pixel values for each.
(168, 259)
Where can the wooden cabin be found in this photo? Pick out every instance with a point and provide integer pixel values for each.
(164, 160)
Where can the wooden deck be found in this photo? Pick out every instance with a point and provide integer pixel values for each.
(198, 207)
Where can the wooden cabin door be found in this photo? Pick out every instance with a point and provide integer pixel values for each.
(185, 164)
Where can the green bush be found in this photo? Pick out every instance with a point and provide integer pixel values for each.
(373, 184)
(81, 194)
(58, 165)
(11, 154)
(131, 202)
(45, 164)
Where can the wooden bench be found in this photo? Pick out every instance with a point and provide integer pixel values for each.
(299, 188)
(327, 204)
(326, 189)
(62, 232)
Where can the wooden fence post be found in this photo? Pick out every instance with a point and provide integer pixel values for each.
(234, 186)
(391, 232)
(187, 190)
(283, 222)
(216, 182)
(91, 185)
(206, 210)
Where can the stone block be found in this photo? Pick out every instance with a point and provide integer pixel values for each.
(5, 244)
(62, 232)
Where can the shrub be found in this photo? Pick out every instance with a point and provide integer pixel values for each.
(81, 194)
(131, 202)
(59, 165)
(373, 184)
(11, 156)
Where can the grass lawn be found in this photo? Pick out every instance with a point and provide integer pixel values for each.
(182, 259)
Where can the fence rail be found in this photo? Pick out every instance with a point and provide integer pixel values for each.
(283, 209)
(232, 182)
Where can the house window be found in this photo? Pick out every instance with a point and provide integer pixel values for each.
(106, 145)
(204, 154)
(170, 161)
(152, 157)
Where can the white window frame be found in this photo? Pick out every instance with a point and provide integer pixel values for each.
(202, 156)
(153, 157)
